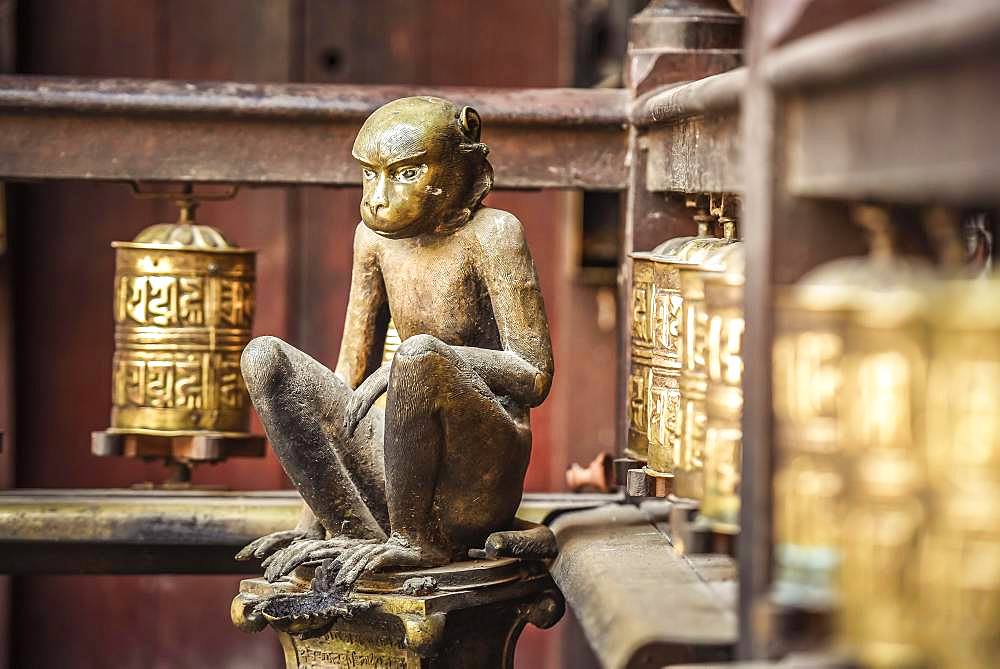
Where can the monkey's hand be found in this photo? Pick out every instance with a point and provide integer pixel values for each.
(507, 373)
(364, 397)
(269, 543)
(307, 550)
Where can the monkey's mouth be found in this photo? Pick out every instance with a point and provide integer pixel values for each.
(391, 228)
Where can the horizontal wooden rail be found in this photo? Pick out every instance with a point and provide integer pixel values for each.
(880, 43)
(138, 130)
(898, 105)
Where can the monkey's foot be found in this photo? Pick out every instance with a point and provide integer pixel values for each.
(308, 550)
(527, 541)
(396, 552)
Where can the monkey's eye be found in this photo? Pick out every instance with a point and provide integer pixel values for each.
(367, 173)
(407, 174)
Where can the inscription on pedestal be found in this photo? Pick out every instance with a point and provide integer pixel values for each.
(339, 649)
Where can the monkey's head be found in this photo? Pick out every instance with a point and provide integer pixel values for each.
(423, 167)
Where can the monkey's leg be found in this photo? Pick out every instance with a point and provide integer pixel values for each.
(455, 459)
(301, 404)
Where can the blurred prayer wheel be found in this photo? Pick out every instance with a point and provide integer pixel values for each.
(720, 505)
(183, 309)
(882, 411)
(960, 557)
(812, 320)
(808, 345)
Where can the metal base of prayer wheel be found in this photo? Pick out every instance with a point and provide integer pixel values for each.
(181, 450)
(467, 614)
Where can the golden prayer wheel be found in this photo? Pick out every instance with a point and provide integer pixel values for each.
(883, 510)
(688, 458)
(720, 505)
(960, 558)
(657, 307)
(392, 343)
(183, 310)
(812, 338)
(389, 348)
(808, 345)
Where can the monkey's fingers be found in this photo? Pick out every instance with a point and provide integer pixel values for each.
(289, 558)
(266, 544)
(276, 541)
(278, 555)
(321, 554)
(353, 565)
(353, 415)
(334, 548)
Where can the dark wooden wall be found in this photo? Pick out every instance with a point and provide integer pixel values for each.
(60, 236)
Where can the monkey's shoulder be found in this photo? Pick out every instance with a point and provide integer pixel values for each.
(496, 230)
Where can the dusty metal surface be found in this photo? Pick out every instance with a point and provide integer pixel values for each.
(673, 41)
(719, 93)
(121, 129)
(639, 602)
(161, 531)
(904, 152)
(693, 135)
(696, 154)
(467, 614)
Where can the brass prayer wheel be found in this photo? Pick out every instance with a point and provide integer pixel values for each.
(657, 308)
(883, 510)
(720, 505)
(183, 311)
(389, 348)
(808, 345)
(960, 558)
(688, 458)
(812, 338)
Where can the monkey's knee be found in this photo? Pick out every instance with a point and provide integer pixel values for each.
(423, 368)
(264, 363)
(423, 343)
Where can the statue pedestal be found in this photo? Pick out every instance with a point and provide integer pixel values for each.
(467, 614)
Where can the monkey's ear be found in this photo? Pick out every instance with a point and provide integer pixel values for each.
(471, 124)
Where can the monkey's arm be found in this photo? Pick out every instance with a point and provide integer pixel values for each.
(367, 314)
(523, 369)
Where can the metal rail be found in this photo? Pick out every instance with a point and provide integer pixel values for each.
(640, 603)
(161, 531)
(719, 93)
(692, 134)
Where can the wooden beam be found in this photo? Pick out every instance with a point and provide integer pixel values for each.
(134, 130)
